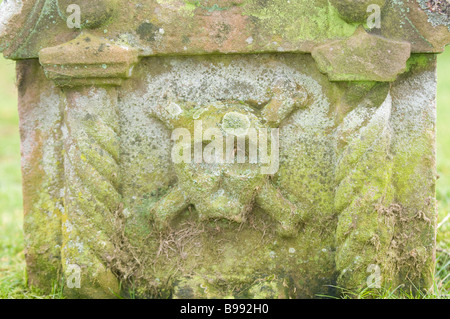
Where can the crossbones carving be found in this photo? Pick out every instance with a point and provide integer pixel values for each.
(228, 190)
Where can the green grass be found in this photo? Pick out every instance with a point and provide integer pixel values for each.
(12, 260)
(443, 184)
(12, 267)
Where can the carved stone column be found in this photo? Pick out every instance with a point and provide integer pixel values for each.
(88, 69)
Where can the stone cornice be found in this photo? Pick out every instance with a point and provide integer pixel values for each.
(225, 26)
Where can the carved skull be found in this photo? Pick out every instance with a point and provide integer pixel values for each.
(218, 157)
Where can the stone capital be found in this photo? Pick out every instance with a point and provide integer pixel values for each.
(88, 60)
(363, 57)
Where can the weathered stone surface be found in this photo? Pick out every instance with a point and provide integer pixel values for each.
(92, 215)
(182, 27)
(95, 13)
(362, 57)
(418, 22)
(114, 188)
(41, 149)
(88, 60)
(324, 155)
(12, 16)
(355, 10)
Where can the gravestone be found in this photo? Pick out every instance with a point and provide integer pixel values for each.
(218, 148)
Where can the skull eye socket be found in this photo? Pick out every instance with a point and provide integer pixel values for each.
(237, 124)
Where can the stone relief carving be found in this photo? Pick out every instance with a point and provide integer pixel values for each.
(352, 187)
(225, 187)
